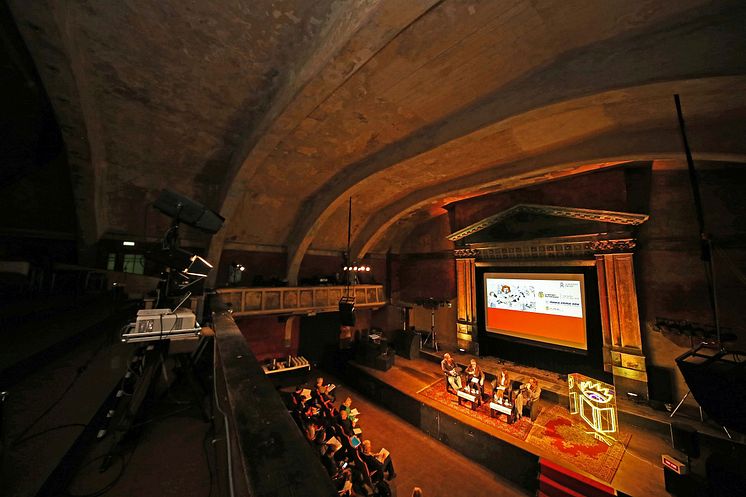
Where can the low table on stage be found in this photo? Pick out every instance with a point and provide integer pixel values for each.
(475, 400)
(496, 409)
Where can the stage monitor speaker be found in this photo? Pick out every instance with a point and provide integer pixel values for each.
(717, 380)
(383, 362)
(685, 438)
(407, 344)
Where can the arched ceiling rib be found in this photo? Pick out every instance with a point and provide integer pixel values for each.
(645, 128)
(620, 148)
(616, 63)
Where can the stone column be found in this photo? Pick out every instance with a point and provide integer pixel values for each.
(620, 324)
(466, 313)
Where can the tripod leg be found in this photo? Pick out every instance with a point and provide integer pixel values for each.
(680, 402)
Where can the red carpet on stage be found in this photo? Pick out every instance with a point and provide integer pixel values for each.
(437, 392)
(569, 444)
(555, 432)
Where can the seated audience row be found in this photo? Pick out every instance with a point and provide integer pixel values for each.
(337, 439)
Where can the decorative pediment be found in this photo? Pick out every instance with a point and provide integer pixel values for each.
(547, 231)
(524, 222)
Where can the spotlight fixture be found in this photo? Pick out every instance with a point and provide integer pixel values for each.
(199, 267)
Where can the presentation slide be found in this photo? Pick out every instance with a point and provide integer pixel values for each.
(544, 308)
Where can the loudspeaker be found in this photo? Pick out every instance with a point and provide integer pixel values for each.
(383, 362)
(685, 438)
(407, 344)
(347, 311)
(717, 380)
(188, 211)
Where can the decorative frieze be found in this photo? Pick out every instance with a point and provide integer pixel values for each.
(545, 249)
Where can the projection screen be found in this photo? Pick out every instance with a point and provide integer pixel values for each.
(544, 309)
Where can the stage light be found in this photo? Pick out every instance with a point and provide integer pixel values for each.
(198, 267)
(344, 268)
(367, 268)
(128, 244)
(354, 268)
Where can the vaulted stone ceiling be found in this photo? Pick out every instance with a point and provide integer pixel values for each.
(276, 113)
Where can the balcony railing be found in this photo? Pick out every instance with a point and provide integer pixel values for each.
(252, 301)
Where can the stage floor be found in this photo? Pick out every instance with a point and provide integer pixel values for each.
(639, 472)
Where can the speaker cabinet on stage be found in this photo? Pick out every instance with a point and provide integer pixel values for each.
(717, 380)
(383, 362)
(347, 311)
(407, 344)
(685, 438)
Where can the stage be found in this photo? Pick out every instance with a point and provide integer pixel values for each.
(414, 390)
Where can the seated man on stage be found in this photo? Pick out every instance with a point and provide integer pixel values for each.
(475, 376)
(501, 387)
(452, 372)
(527, 396)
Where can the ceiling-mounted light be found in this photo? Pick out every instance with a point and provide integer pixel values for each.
(128, 244)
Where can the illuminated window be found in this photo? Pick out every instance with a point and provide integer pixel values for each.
(134, 263)
(111, 262)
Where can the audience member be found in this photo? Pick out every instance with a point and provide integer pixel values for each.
(344, 422)
(347, 406)
(330, 432)
(380, 460)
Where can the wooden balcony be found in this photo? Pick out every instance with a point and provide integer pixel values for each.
(252, 301)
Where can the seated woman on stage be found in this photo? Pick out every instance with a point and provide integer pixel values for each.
(452, 372)
(501, 387)
(475, 376)
(528, 394)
